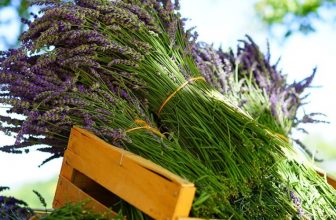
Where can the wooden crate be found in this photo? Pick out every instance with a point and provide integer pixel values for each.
(331, 181)
(101, 174)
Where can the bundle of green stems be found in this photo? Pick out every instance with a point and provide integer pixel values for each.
(243, 166)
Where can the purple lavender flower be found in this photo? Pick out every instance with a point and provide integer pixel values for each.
(90, 3)
(218, 66)
(297, 203)
(79, 61)
(12, 208)
(40, 86)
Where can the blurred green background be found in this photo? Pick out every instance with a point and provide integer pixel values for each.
(25, 192)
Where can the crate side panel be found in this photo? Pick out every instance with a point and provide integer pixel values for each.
(80, 133)
(184, 202)
(69, 193)
(331, 181)
(154, 194)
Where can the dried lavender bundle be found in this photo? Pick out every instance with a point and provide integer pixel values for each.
(158, 62)
(259, 88)
(234, 74)
(128, 54)
(188, 115)
(115, 119)
(75, 47)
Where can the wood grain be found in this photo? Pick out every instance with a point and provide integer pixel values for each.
(147, 186)
(68, 193)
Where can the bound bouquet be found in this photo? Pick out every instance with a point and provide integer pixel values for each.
(129, 72)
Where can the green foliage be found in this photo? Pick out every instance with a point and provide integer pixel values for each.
(40, 197)
(76, 212)
(47, 189)
(294, 15)
(12, 208)
(21, 8)
(5, 3)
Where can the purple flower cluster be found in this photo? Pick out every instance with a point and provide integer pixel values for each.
(68, 43)
(12, 208)
(219, 69)
(297, 203)
(218, 66)
(213, 65)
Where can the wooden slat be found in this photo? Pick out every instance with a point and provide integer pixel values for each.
(184, 201)
(330, 180)
(83, 134)
(66, 170)
(68, 193)
(147, 186)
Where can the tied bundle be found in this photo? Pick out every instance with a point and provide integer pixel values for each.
(125, 70)
(256, 85)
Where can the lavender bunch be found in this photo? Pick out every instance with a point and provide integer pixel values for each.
(27, 79)
(12, 208)
(252, 83)
(140, 61)
(114, 119)
(257, 86)
(169, 72)
(105, 55)
(297, 201)
(24, 84)
(225, 70)
(32, 84)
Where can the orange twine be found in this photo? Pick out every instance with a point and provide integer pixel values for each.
(177, 90)
(145, 126)
(282, 137)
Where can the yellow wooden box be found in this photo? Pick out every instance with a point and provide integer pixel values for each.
(101, 174)
(98, 172)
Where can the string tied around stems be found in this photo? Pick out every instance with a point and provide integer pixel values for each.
(282, 137)
(164, 103)
(144, 125)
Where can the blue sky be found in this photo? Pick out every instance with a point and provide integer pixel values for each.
(221, 22)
